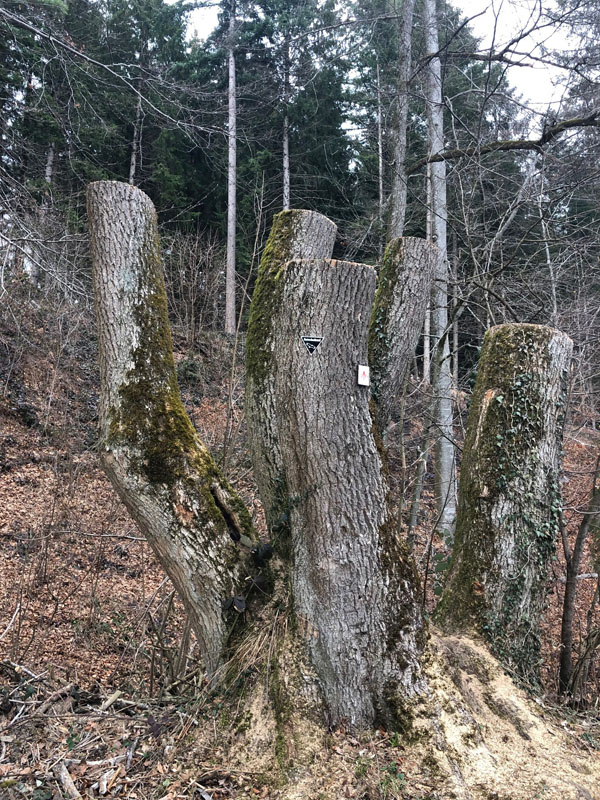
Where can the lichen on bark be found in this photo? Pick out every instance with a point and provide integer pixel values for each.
(509, 496)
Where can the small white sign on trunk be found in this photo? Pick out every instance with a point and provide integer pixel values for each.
(364, 375)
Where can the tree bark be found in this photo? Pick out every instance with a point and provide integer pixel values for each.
(397, 319)
(354, 583)
(295, 234)
(509, 499)
(230, 306)
(191, 516)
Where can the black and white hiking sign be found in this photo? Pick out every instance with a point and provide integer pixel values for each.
(312, 342)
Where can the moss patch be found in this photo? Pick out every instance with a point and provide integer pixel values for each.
(267, 296)
(379, 345)
(150, 417)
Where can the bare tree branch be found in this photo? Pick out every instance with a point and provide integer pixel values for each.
(550, 133)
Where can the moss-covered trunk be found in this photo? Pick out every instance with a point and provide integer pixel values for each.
(192, 518)
(353, 582)
(295, 234)
(509, 497)
(397, 319)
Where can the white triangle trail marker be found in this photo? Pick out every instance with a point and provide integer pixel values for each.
(312, 342)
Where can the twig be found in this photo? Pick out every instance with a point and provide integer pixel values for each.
(54, 697)
(110, 700)
(10, 624)
(62, 773)
(136, 625)
(31, 674)
(131, 753)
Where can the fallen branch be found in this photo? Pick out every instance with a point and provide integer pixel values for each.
(110, 700)
(54, 697)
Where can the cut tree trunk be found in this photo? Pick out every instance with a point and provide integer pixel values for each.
(397, 319)
(354, 584)
(509, 498)
(191, 516)
(295, 234)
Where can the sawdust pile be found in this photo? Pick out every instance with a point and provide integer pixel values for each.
(476, 737)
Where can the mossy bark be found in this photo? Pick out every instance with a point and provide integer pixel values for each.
(191, 516)
(354, 584)
(294, 234)
(397, 319)
(509, 496)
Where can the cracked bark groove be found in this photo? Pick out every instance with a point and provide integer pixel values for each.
(397, 318)
(294, 234)
(354, 584)
(163, 473)
(509, 498)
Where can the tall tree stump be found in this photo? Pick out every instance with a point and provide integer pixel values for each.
(509, 498)
(294, 234)
(397, 318)
(354, 584)
(191, 516)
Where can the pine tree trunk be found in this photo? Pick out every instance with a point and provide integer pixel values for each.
(354, 584)
(286, 126)
(445, 468)
(49, 171)
(381, 200)
(509, 499)
(190, 515)
(397, 319)
(136, 138)
(399, 188)
(295, 234)
(230, 307)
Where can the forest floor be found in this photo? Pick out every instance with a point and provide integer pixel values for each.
(101, 693)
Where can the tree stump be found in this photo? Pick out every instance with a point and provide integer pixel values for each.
(294, 234)
(191, 516)
(401, 299)
(509, 498)
(354, 584)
